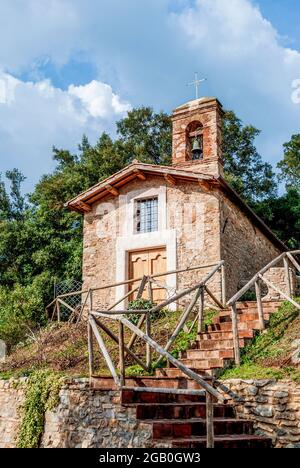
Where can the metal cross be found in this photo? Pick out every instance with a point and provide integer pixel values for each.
(197, 84)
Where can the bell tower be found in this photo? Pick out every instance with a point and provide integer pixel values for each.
(197, 136)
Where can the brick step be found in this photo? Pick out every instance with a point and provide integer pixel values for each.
(218, 344)
(227, 326)
(224, 335)
(209, 354)
(243, 317)
(173, 372)
(162, 381)
(224, 442)
(174, 428)
(186, 410)
(133, 397)
(253, 304)
(202, 364)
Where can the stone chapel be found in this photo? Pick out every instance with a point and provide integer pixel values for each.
(149, 219)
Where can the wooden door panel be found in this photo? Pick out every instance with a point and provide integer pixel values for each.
(158, 264)
(148, 262)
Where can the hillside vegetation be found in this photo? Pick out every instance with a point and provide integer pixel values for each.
(275, 353)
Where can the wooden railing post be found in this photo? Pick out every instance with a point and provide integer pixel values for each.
(235, 335)
(201, 311)
(148, 347)
(223, 284)
(287, 277)
(209, 421)
(58, 311)
(91, 349)
(260, 310)
(122, 354)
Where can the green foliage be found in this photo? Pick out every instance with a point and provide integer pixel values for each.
(42, 394)
(20, 311)
(209, 315)
(183, 341)
(267, 346)
(147, 136)
(143, 304)
(282, 215)
(245, 170)
(290, 165)
(135, 370)
(253, 371)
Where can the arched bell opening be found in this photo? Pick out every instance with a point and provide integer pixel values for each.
(194, 138)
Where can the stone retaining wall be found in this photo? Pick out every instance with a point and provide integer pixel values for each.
(83, 419)
(273, 406)
(88, 418)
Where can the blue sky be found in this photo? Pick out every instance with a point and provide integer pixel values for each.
(69, 67)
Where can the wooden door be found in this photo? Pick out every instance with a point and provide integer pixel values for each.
(148, 262)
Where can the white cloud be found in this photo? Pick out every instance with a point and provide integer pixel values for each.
(148, 51)
(36, 116)
(99, 100)
(242, 53)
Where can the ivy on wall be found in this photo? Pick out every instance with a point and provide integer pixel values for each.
(42, 394)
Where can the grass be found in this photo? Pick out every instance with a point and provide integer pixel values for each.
(63, 348)
(269, 353)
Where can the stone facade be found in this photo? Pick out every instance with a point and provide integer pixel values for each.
(273, 406)
(206, 227)
(244, 247)
(88, 418)
(208, 113)
(190, 218)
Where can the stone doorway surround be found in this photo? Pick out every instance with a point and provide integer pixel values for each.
(130, 241)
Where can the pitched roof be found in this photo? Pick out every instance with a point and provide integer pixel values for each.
(135, 170)
(83, 202)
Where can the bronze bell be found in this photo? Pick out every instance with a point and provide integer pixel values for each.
(196, 146)
(197, 149)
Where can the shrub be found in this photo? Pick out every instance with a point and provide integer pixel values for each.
(21, 309)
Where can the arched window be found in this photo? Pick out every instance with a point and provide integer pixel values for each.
(194, 137)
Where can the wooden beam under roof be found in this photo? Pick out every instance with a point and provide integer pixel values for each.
(140, 175)
(170, 179)
(204, 184)
(112, 190)
(84, 206)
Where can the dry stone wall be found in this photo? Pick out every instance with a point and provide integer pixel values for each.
(88, 418)
(84, 418)
(273, 406)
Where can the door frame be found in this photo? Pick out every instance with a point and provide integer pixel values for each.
(152, 249)
(147, 241)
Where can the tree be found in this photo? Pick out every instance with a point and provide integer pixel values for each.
(147, 135)
(282, 215)
(290, 165)
(245, 170)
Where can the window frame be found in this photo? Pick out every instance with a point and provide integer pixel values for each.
(137, 216)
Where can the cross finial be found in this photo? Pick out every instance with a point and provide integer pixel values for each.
(197, 84)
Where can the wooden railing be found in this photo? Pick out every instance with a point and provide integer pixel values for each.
(97, 323)
(53, 310)
(287, 259)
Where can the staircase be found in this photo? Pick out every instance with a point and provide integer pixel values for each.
(179, 421)
(213, 350)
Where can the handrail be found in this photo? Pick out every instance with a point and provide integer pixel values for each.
(94, 321)
(60, 299)
(133, 280)
(287, 258)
